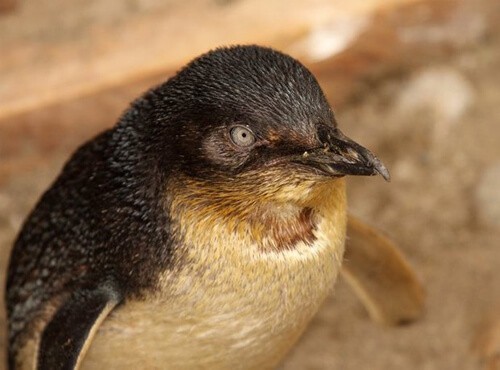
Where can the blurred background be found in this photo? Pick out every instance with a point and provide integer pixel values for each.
(416, 81)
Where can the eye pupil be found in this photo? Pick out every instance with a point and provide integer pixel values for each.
(242, 136)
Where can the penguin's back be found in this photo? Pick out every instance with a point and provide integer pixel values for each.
(82, 234)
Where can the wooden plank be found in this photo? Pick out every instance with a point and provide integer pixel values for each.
(57, 50)
(7, 6)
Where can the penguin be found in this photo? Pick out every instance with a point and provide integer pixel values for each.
(202, 231)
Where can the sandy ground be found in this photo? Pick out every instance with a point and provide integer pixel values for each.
(437, 127)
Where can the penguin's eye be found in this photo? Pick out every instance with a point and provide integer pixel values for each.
(241, 136)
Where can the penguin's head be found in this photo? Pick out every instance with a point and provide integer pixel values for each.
(251, 123)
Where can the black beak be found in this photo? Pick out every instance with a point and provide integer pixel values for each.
(340, 156)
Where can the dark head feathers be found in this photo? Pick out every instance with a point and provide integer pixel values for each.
(252, 81)
(251, 85)
(255, 82)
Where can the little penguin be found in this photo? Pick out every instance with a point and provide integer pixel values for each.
(202, 231)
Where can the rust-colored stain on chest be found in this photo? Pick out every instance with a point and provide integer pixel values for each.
(284, 234)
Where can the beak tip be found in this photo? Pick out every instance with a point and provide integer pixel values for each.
(381, 169)
(384, 172)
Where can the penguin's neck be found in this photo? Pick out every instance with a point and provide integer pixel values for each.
(260, 223)
(271, 227)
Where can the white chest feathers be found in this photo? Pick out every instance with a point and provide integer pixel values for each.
(227, 307)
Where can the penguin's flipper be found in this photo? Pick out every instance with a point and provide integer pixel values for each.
(380, 276)
(68, 335)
